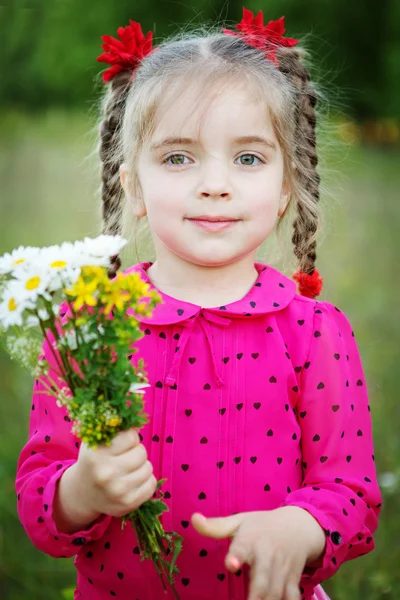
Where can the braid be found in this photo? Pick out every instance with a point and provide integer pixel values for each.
(306, 223)
(111, 189)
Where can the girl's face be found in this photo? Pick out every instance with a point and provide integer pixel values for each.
(222, 163)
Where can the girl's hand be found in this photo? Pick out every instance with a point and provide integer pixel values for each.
(113, 480)
(276, 544)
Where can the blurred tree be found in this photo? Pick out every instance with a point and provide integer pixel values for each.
(50, 48)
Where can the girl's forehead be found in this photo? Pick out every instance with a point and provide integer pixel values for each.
(234, 110)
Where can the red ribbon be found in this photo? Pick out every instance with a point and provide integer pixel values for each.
(309, 285)
(264, 37)
(126, 53)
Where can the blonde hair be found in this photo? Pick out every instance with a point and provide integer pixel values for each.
(129, 118)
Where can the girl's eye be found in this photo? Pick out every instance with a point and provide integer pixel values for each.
(249, 160)
(175, 159)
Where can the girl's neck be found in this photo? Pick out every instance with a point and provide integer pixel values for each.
(204, 286)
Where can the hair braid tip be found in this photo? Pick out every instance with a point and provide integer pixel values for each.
(115, 265)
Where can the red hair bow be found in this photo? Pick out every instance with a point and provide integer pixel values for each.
(265, 37)
(126, 53)
(309, 285)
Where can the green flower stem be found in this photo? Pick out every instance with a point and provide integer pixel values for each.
(50, 392)
(77, 329)
(151, 536)
(77, 332)
(54, 331)
(66, 366)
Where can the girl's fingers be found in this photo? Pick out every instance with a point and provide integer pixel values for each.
(218, 527)
(262, 579)
(277, 580)
(122, 442)
(292, 591)
(240, 551)
(292, 588)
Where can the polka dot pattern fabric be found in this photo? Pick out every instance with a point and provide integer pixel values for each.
(254, 405)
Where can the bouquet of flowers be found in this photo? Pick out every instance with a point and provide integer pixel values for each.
(64, 295)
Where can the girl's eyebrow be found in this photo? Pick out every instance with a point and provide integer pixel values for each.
(254, 139)
(181, 141)
(172, 141)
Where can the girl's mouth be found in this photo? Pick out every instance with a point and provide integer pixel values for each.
(213, 225)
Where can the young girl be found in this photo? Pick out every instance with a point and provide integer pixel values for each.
(259, 414)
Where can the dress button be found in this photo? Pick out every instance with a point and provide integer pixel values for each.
(336, 538)
(79, 541)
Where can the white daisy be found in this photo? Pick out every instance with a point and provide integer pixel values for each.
(59, 258)
(14, 302)
(19, 258)
(63, 278)
(60, 261)
(100, 249)
(34, 282)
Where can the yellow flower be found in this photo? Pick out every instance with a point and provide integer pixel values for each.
(115, 298)
(98, 275)
(142, 309)
(136, 285)
(155, 296)
(95, 275)
(83, 292)
(93, 271)
(114, 422)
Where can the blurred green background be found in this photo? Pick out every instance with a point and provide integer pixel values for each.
(49, 193)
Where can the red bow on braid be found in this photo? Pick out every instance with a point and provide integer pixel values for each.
(264, 37)
(309, 285)
(126, 53)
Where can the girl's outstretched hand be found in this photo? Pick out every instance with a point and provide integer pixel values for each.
(277, 545)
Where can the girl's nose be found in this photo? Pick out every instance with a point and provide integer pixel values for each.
(214, 183)
(215, 193)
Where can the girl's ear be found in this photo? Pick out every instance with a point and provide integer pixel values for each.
(132, 191)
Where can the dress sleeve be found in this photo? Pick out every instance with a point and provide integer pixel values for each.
(50, 450)
(339, 488)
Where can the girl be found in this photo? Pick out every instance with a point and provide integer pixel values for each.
(258, 401)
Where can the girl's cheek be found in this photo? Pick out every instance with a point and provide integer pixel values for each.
(265, 207)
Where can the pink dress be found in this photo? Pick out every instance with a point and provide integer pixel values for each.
(254, 405)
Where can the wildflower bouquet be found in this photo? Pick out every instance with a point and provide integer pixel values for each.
(64, 295)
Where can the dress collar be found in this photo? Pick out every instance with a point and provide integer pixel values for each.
(272, 292)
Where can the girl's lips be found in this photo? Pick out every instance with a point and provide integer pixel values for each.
(213, 225)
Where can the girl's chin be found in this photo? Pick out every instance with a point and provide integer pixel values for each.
(212, 259)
